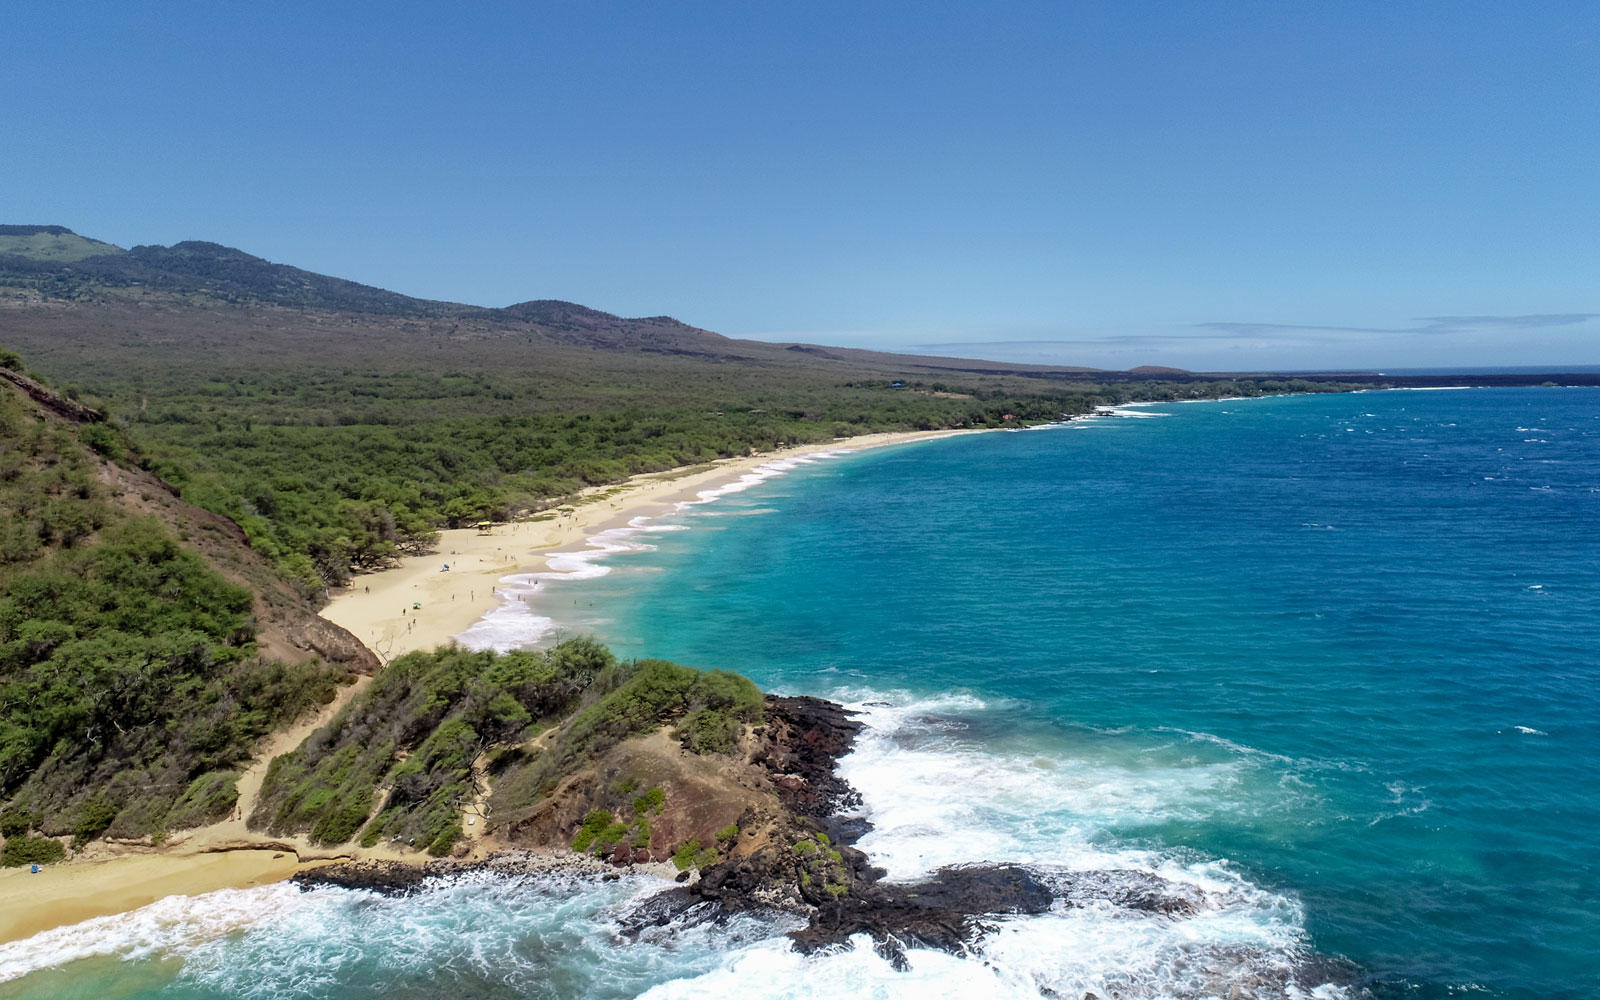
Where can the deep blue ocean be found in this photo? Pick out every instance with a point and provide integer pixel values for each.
(1331, 661)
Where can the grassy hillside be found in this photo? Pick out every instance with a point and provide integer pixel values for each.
(52, 244)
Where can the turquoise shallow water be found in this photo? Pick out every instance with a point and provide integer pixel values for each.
(1329, 661)
(1380, 613)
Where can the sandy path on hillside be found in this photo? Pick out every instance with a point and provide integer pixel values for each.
(114, 878)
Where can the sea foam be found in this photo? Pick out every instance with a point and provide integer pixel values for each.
(934, 800)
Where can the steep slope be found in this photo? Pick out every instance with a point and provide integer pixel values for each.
(144, 649)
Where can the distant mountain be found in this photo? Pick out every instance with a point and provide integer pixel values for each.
(57, 260)
(197, 283)
(56, 244)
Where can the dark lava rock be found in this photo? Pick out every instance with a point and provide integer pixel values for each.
(976, 889)
(945, 911)
(804, 738)
(941, 912)
(388, 878)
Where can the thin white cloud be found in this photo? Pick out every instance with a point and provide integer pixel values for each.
(1430, 325)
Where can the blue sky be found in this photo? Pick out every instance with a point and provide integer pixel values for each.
(1208, 185)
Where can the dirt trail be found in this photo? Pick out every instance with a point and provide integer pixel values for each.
(231, 833)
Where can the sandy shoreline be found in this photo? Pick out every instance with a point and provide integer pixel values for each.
(379, 611)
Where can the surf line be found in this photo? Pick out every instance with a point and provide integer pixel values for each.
(516, 623)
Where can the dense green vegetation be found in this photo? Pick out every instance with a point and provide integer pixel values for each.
(130, 683)
(418, 728)
(325, 501)
(396, 764)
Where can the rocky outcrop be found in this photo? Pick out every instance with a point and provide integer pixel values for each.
(803, 739)
(949, 910)
(61, 406)
(401, 878)
(795, 857)
(810, 868)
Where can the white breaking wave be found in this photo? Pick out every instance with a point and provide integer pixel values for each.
(1125, 410)
(934, 796)
(277, 942)
(935, 800)
(167, 925)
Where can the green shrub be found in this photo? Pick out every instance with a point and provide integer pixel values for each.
(727, 833)
(805, 848)
(651, 802)
(683, 857)
(446, 839)
(208, 799)
(94, 815)
(102, 439)
(594, 824)
(729, 693)
(341, 823)
(708, 730)
(24, 850)
(15, 822)
(706, 857)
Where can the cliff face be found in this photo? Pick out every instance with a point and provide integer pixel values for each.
(289, 628)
